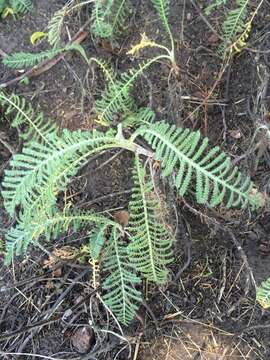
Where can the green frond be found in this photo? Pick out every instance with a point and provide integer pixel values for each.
(52, 227)
(21, 6)
(97, 240)
(120, 11)
(17, 241)
(19, 237)
(40, 172)
(150, 247)
(100, 22)
(30, 172)
(55, 27)
(107, 70)
(22, 113)
(143, 116)
(109, 18)
(117, 97)
(263, 294)
(2, 5)
(121, 296)
(215, 5)
(234, 24)
(183, 151)
(21, 59)
(163, 8)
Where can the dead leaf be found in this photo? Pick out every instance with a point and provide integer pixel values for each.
(122, 217)
(213, 39)
(82, 339)
(63, 253)
(236, 134)
(107, 46)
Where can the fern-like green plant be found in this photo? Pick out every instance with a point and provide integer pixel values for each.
(263, 294)
(29, 179)
(117, 98)
(22, 114)
(121, 295)
(109, 18)
(182, 151)
(144, 116)
(150, 249)
(21, 59)
(100, 25)
(55, 27)
(215, 5)
(16, 6)
(19, 237)
(163, 9)
(121, 11)
(21, 6)
(48, 162)
(50, 159)
(234, 24)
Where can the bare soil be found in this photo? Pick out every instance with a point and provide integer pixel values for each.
(208, 309)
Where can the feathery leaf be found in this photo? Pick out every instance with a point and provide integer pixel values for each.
(21, 6)
(21, 59)
(117, 99)
(142, 116)
(263, 294)
(55, 27)
(181, 150)
(101, 25)
(18, 238)
(109, 18)
(150, 248)
(120, 11)
(40, 171)
(35, 126)
(215, 5)
(121, 296)
(17, 242)
(163, 7)
(234, 24)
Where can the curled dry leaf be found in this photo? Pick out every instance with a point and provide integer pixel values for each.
(63, 253)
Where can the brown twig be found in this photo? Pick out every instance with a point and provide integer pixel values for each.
(3, 54)
(48, 314)
(6, 145)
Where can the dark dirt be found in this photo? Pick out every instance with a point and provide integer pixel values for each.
(209, 312)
